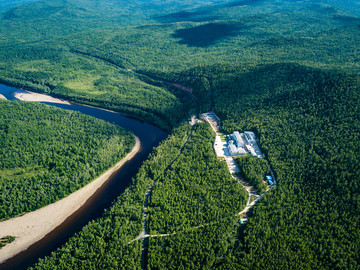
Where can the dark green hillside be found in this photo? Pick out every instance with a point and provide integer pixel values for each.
(44, 19)
(100, 65)
(307, 35)
(47, 153)
(308, 123)
(8, 4)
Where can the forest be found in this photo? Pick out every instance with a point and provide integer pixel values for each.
(286, 70)
(104, 243)
(253, 171)
(196, 190)
(197, 199)
(312, 208)
(46, 153)
(104, 66)
(307, 121)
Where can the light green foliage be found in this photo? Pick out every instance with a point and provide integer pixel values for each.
(47, 153)
(93, 81)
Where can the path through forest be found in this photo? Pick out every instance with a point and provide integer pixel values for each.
(143, 235)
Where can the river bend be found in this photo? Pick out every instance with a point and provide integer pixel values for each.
(150, 137)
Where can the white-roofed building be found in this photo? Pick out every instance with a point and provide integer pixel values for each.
(232, 149)
(238, 139)
(250, 137)
(235, 151)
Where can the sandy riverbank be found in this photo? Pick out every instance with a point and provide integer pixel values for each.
(2, 97)
(31, 227)
(36, 97)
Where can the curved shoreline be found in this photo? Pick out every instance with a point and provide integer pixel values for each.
(26, 95)
(33, 226)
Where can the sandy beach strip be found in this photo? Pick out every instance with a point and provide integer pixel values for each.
(2, 97)
(33, 226)
(36, 97)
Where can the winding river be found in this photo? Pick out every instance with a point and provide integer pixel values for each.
(149, 135)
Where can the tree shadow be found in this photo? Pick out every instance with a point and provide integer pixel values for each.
(207, 34)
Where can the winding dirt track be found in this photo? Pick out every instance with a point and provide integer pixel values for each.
(31, 227)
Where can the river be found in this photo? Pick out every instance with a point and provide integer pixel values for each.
(150, 137)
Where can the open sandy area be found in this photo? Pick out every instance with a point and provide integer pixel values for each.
(36, 97)
(31, 227)
(2, 97)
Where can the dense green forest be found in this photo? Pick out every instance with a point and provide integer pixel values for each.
(198, 200)
(193, 192)
(100, 61)
(47, 153)
(287, 70)
(308, 124)
(196, 190)
(253, 170)
(104, 243)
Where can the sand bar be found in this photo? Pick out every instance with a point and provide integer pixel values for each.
(2, 97)
(33, 226)
(36, 97)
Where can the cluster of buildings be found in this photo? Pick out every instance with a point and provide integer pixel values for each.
(243, 143)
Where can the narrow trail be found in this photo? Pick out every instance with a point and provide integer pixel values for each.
(143, 235)
(251, 204)
(211, 90)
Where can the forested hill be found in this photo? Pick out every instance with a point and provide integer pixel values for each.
(46, 19)
(87, 51)
(47, 153)
(308, 122)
